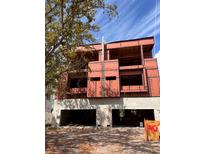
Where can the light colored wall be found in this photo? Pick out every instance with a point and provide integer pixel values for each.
(104, 106)
(103, 115)
(48, 114)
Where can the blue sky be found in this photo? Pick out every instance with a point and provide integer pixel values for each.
(136, 19)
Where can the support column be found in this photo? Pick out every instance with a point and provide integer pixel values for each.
(103, 116)
(144, 78)
(102, 79)
(108, 54)
(142, 54)
(100, 56)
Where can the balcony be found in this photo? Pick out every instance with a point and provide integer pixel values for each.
(131, 67)
(78, 90)
(133, 88)
(133, 82)
(77, 84)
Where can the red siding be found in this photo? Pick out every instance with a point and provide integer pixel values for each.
(110, 88)
(152, 77)
(110, 68)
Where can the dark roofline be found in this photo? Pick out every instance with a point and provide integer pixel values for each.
(91, 44)
(144, 38)
(136, 39)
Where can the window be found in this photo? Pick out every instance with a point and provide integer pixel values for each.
(78, 82)
(131, 80)
(95, 79)
(111, 78)
(130, 61)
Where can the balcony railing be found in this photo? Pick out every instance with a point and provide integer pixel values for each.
(131, 67)
(78, 90)
(133, 88)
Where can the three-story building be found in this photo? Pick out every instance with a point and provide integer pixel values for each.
(119, 86)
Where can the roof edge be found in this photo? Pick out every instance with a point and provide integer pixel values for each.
(144, 38)
(136, 39)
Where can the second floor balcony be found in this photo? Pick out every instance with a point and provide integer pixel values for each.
(81, 90)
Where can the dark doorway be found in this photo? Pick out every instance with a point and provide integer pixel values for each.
(131, 118)
(78, 117)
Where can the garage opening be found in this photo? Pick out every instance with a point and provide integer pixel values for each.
(130, 117)
(78, 117)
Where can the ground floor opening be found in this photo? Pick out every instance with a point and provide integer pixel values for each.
(78, 117)
(131, 117)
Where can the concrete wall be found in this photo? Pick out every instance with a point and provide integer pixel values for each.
(104, 106)
(49, 116)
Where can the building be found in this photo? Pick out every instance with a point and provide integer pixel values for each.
(119, 86)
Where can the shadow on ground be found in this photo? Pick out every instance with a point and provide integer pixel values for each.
(91, 140)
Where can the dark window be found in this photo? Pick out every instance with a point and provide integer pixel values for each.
(78, 82)
(129, 80)
(130, 61)
(95, 79)
(111, 78)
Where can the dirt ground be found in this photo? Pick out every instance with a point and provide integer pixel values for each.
(91, 140)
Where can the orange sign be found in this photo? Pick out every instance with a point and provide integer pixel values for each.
(151, 130)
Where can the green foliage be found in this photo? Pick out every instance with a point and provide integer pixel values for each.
(68, 24)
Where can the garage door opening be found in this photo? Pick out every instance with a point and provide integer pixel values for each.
(78, 117)
(131, 118)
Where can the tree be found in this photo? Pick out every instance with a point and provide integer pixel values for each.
(68, 24)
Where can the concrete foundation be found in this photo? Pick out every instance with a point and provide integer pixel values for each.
(104, 107)
(48, 112)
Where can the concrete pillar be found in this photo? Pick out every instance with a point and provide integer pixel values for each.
(57, 112)
(142, 54)
(103, 116)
